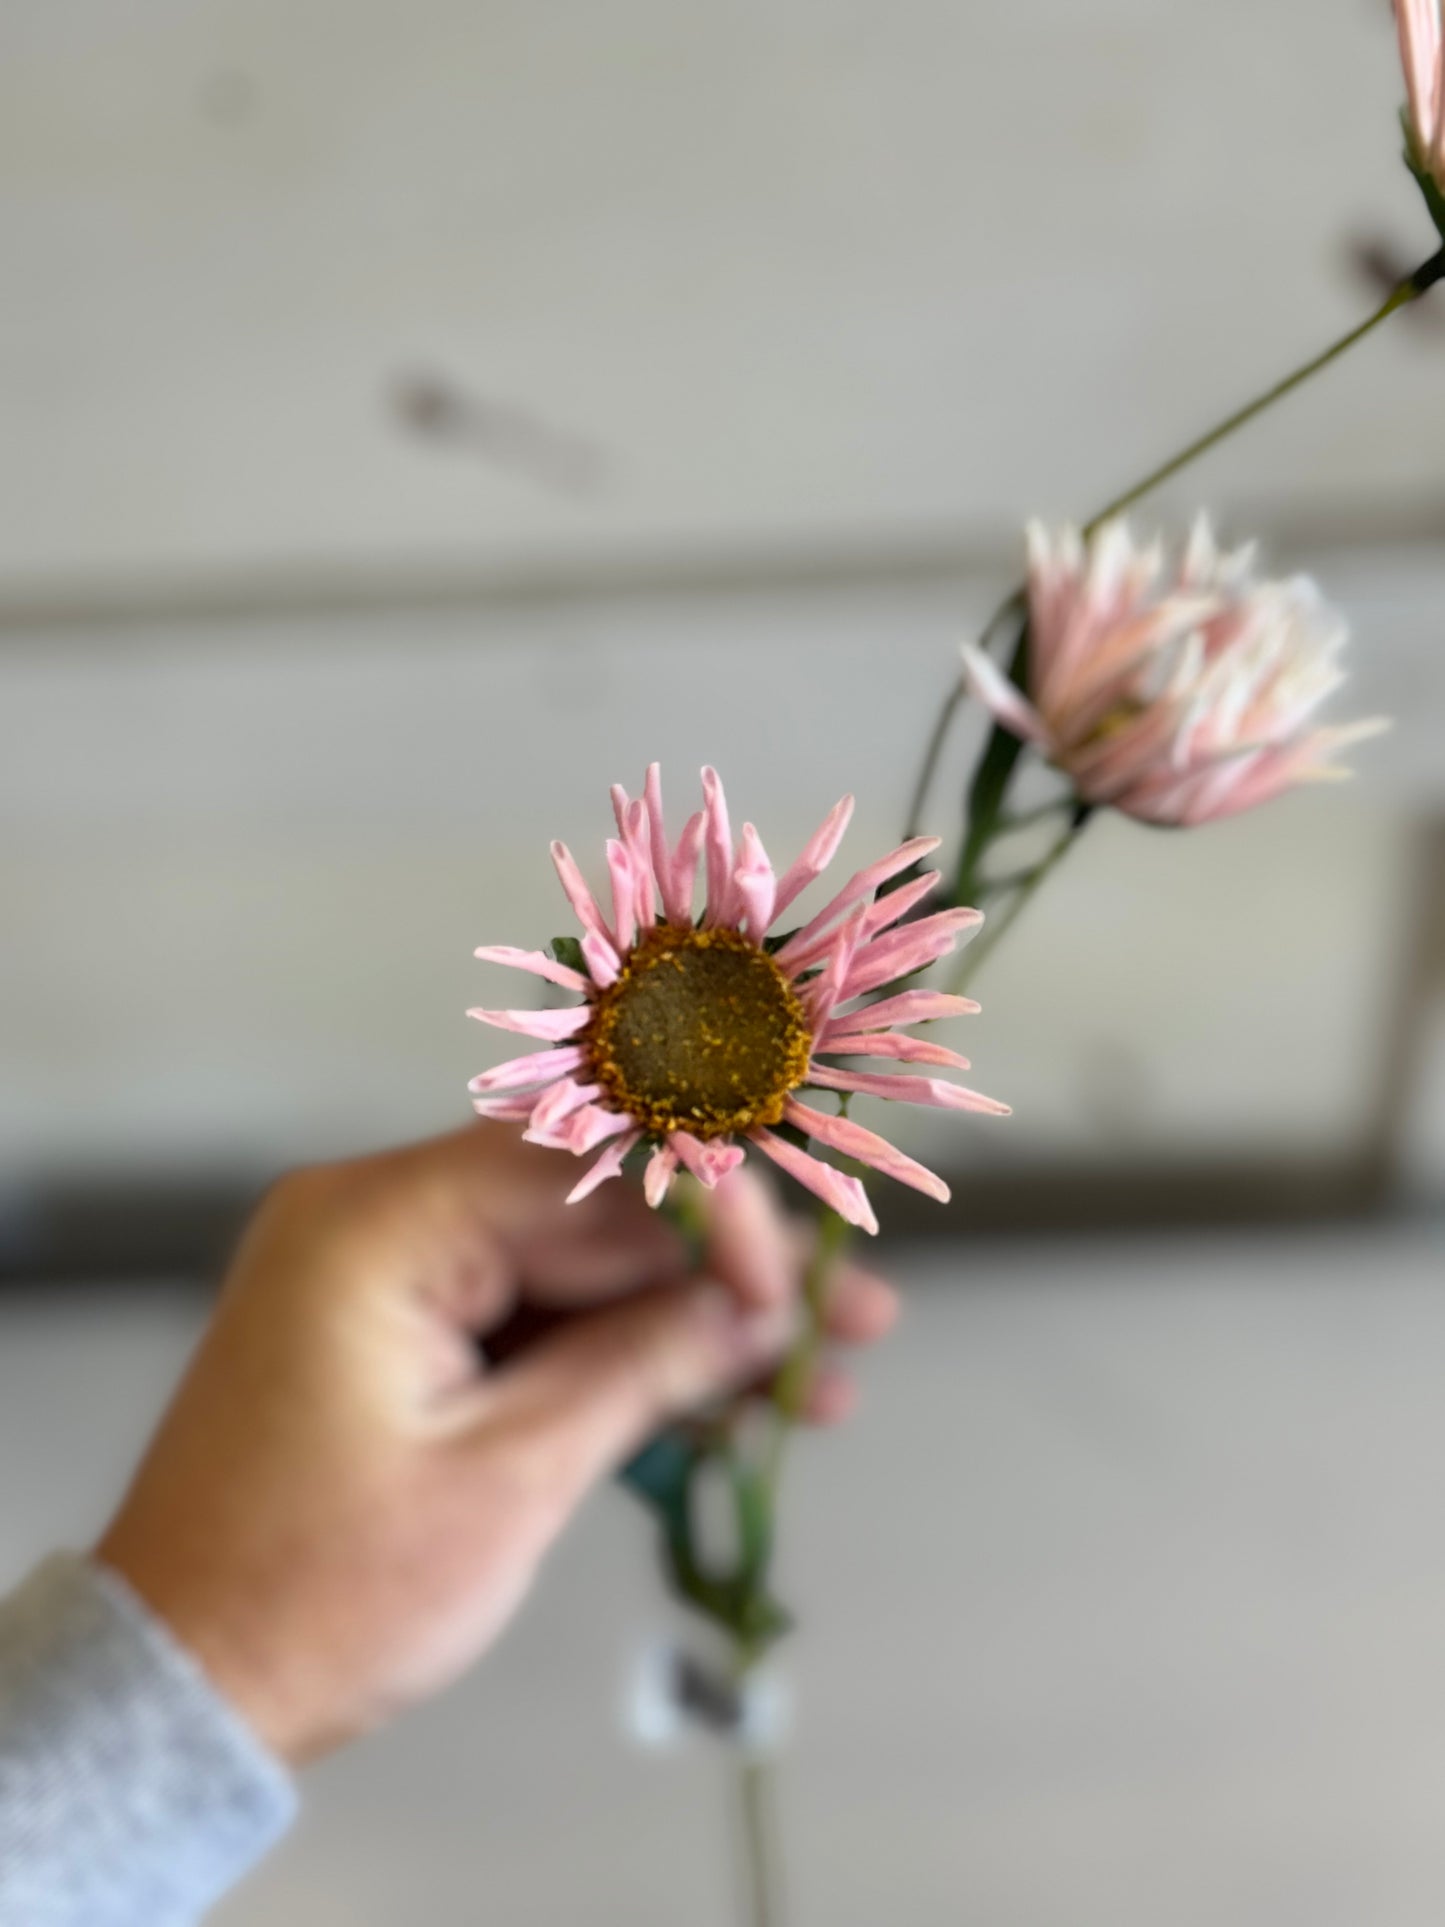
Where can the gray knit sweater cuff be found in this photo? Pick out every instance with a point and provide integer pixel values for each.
(131, 1794)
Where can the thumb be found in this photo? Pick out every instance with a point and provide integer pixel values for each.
(585, 1398)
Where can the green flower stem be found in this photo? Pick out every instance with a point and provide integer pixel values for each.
(1408, 290)
(762, 1847)
(757, 1786)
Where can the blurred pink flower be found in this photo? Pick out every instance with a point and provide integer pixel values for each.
(691, 1034)
(1422, 54)
(1177, 703)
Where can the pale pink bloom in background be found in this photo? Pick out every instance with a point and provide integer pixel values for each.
(1422, 54)
(1177, 701)
(692, 1035)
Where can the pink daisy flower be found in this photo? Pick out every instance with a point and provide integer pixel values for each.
(1422, 54)
(692, 1033)
(1177, 703)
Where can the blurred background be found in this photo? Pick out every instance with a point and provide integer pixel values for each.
(414, 419)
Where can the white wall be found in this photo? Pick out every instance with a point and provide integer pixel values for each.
(840, 292)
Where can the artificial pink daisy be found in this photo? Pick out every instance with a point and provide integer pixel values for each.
(1177, 702)
(693, 1033)
(1422, 54)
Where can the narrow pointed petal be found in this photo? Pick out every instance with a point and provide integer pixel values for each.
(541, 1066)
(888, 1043)
(512, 1108)
(845, 1195)
(898, 953)
(638, 840)
(755, 886)
(560, 1101)
(535, 961)
(578, 895)
(609, 1165)
(883, 912)
(719, 847)
(602, 959)
(842, 1134)
(592, 1125)
(657, 832)
(708, 1161)
(624, 896)
(661, 1170)
(908, 1007)
(1006, 703)
(861, 884)
(552, 1025)
(933, 1091)
(818, 853)
(827, 990)
(682, 873)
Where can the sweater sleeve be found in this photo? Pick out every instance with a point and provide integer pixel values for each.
(131, 1794)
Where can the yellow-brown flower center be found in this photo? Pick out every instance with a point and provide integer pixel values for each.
(702, 1032)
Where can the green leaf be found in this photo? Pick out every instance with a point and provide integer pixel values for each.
(568, 951)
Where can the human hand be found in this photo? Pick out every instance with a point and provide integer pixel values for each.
(345, 1504)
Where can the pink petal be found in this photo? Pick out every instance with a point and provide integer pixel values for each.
(842, 1134)
(908, 1007)
(661, 1169)
(632, 828)
(861, 884)
(624, 896)
(845, 1195)
(609, 1165)
(1004, 701)
(511, 1109)
(549, 1024)
(578, 895)
(900, 952)
(883, 911)
(657, 831)
(639, 849)
(536, 961)
(755, 886)
(818, 853)
(888, 1043)
(601, 959)
(708, 1161)
(682, 874)
(719, 845)
(826, 991)
(1419, 24)
(908, 1090)
(541, 1066)
(561, 1100)
(592, 1125)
